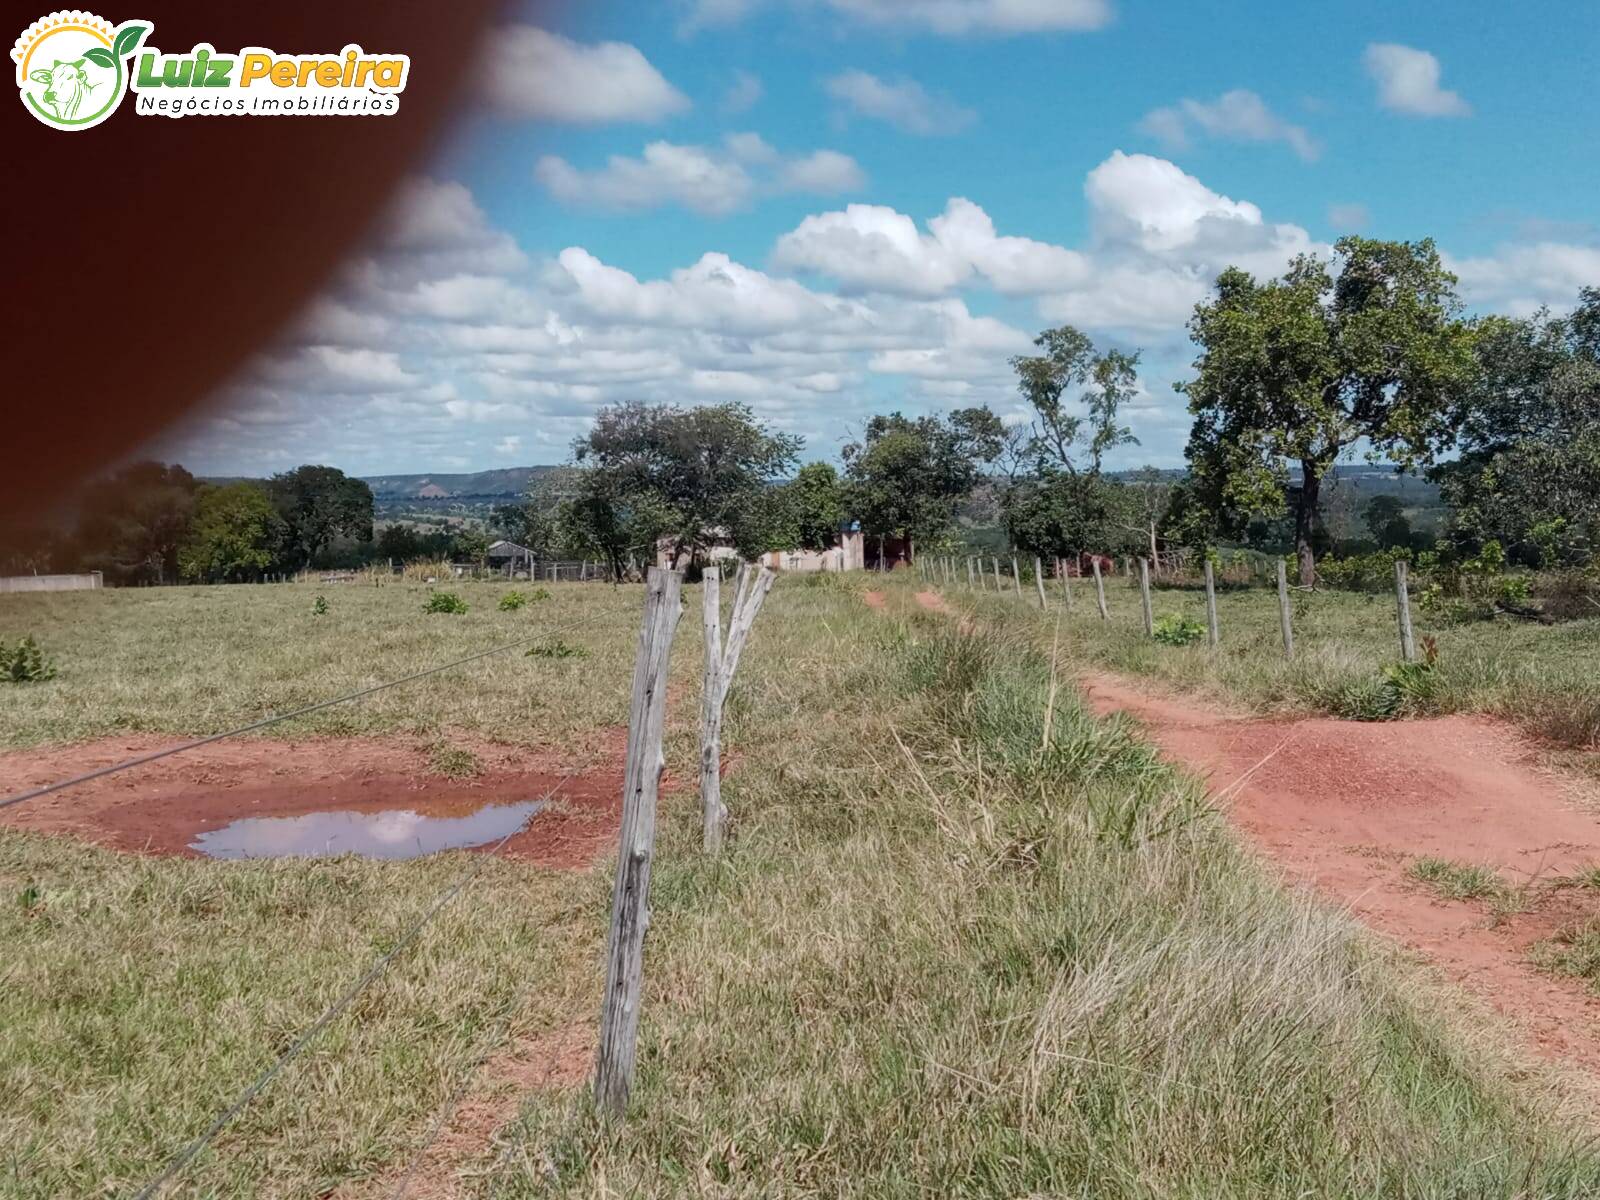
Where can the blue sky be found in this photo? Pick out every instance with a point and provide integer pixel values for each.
(825, 208)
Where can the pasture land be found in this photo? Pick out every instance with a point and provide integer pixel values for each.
(1543, 678)
(966, 939)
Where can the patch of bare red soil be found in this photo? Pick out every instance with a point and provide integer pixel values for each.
(1344, 807)
(876, 600)
(161, 807)
(933, 602)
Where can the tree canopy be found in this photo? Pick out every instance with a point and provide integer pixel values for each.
(1528, 472)
(906, 475)
(1295, 371)
(691, 475)
(234, 537)
(317, 505)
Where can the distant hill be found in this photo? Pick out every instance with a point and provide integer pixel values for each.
(505, 482)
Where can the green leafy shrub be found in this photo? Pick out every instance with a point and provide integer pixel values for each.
(320, 607)
(1173, 629)
(25, 663)
(1362, 572)
(512, 601)
(556, 648)
(444, 602)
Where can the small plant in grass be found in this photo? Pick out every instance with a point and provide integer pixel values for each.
(454, 762)
(25, 663)
(1574, 950)
(556, 648)
(319, 607)
(444, 602)
(1456, 881)
(1173, 629)
(512, 601)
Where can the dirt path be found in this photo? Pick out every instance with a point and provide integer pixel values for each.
(1345, 807)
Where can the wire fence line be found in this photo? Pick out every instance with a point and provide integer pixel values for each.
(183, 1157)
(141, 760)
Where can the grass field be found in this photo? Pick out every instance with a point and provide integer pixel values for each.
(966, 940)
(1544, 678)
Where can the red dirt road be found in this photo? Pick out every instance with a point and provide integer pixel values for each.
(161, 807)
(1344, 807)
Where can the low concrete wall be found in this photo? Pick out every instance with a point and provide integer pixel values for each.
(51, 583)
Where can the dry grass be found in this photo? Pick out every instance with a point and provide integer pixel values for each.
(962, 948)
(204, 659)
(956, 947)
(1544, 678)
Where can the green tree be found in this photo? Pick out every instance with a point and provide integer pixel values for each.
(470, 545)
(802, 513)
(696, 475)
(1065, 439)
(1294, 372)
(1055, 499)
(131, 523)
(317, 505)
(1385, 518)
(1528, 471)
(234, 537)
(906, 476)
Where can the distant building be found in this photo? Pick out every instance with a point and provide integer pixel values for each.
(848, 553)
(509, 557)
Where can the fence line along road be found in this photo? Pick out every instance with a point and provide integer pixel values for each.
(140, 761)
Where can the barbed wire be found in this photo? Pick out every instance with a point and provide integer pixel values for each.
(182, 1159)
(140, 761)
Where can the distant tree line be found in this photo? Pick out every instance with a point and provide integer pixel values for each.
(154, 523)
(1364, 355)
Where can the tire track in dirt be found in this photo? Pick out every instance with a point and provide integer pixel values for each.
(1343, 807)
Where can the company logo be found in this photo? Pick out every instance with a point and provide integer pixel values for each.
(73, 69)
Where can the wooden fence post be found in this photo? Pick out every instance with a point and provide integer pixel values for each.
(1016, 577)
(1283, 609)
(1066, 584)
(720, 664)
(997, 586)
(1099, 588)
(969, 571)
(1213, 635)
(630, 896)
(1038, 580)
(1144, 598)
(1408, 645)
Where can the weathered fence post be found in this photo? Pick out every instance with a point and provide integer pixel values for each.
(630, 897)
(1213, 635)
(1016, 577)
(969, 571)
(1099, 588)
(721, 663)
(1144, 598)
(997, 586)
(1408, 645)
(1066, 584)
(1283, 609)
(1038, 580)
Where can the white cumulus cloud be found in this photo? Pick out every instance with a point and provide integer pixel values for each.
(534, 73)
(711, 181)
(1239, 115)
(1408, 82)
(905, 104)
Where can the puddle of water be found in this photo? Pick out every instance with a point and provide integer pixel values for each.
(398, 833)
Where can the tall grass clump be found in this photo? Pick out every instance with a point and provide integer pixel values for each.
(970, 941)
